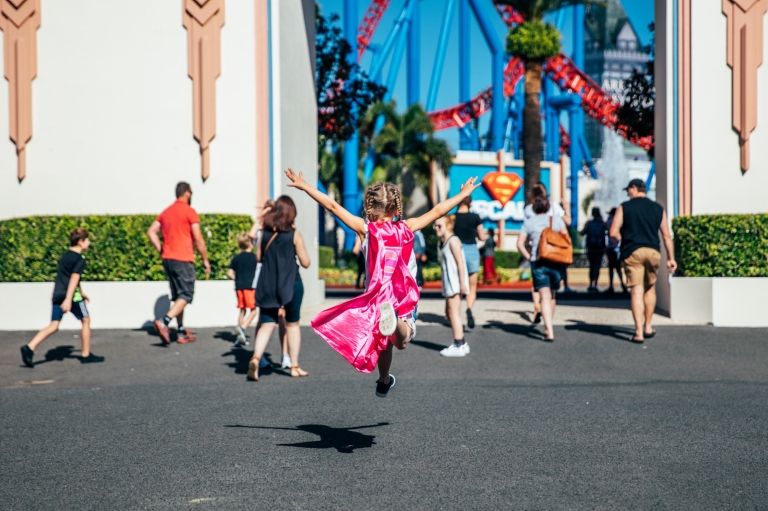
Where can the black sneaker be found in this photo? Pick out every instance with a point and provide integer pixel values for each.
(470, 319)
(27, 355)
(382, 389)
(90, 359)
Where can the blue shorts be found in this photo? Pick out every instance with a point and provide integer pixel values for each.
(78, 309)
(473, 257)
(546, 274)
(292, 308)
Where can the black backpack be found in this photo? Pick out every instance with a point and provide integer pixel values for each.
(595, 235)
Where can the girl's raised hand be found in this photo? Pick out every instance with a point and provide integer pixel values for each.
(297, 180)
(470, 186)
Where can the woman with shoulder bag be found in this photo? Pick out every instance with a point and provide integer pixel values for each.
(549, 255)
(279, 290)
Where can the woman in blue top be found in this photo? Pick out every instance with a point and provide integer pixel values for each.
(546, 275)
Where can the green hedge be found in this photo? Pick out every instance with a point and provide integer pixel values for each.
(326, 257)
(30, 248)
(508, 259)
(722, 245)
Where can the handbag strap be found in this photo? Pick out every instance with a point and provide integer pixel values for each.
(267, 247)
(551, 218)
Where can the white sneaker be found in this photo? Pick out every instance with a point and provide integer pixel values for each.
(388, 319)
(455, 350)
(242, 335)
(466, 347)
(285, 363)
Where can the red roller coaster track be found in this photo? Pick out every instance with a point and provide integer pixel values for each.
(597, 103)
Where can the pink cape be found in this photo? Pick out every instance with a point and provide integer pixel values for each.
(352, 327)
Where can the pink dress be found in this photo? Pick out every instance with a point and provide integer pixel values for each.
(352, 327)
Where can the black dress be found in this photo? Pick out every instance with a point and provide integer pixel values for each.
(279, 271)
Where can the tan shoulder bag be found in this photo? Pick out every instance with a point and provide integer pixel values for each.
(554, 246)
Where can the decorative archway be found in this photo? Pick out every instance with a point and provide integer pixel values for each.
(19, 21)
(203, 20)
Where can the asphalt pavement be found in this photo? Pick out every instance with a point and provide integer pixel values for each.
(588, 422)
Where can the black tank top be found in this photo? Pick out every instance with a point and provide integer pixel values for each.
(279, 271)
(642, 220)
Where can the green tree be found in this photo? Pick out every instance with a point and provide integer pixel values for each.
(534, 42)
(637, 111)
(344, 92)
(405, 144)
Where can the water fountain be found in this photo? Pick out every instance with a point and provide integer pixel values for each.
(614, 174)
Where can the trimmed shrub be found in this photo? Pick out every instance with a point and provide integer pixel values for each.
(508, 259)
(30, 247)
(722, 245)
(326, 257)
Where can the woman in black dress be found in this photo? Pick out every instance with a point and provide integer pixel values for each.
(279, 290)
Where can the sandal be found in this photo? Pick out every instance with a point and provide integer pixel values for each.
(298, 372)
(253, 369)
(636, 340)
(651, 335)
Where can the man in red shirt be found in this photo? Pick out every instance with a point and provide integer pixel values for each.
(180, 228)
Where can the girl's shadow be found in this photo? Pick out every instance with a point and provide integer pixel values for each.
(344, 440)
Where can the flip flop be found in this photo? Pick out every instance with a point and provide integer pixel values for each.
(651, 335)
(636, 340)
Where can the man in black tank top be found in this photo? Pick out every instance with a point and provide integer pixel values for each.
(636, 225)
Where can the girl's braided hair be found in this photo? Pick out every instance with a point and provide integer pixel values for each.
(382, 199)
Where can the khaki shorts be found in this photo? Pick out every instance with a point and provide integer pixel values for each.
(642, 267)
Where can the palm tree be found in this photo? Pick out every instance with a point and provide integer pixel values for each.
(405, 145)
(534, 42)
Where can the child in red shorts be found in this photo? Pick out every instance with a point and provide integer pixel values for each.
(242, 270)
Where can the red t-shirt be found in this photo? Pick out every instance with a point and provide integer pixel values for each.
(176, 227)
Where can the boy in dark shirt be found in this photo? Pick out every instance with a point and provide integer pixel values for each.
(68, 296)
(243, 270)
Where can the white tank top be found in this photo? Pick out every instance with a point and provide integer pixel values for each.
(450, 270)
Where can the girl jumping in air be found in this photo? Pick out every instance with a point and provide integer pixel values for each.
(453, 264)
(364, 329)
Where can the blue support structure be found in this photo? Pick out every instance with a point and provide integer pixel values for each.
(552, 123)
(394, 69)
(572, 103)
(497, 79)
(467, 133)
(576, 124)
(414, 54)
(519, 99)
(442, 46)
(651, 175)
(350, 194)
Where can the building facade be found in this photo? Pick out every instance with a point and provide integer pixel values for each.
(106, 107)
(612, 51)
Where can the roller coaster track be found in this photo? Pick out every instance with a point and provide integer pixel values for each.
(597, 103)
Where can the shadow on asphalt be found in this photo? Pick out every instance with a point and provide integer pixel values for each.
(151, 331)
(226, 335)
(526, 315)
(526, 331)
(428, 345)
(344, 440)
(243, 356)
(428, 317)
(620, 333)
(58, 354)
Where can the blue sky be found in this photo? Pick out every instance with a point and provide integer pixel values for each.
(640, 13)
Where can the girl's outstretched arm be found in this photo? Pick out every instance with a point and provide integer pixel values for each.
(355, 223)
(444, 207)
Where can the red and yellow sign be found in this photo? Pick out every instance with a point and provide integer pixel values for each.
(502, 186)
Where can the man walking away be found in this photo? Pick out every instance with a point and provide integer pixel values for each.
(180, 228)
(612, 253)
(636, 225)
(595, 231)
